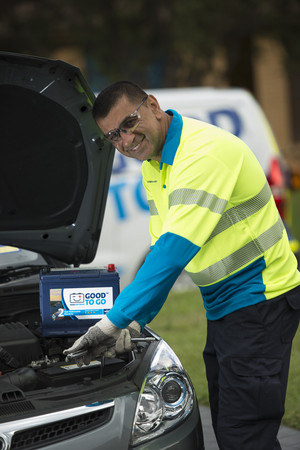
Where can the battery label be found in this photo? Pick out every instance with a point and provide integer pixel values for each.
(80, 303)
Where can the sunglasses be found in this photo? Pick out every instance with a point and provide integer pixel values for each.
(128, 125)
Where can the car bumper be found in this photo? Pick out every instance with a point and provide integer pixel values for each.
(114, 434)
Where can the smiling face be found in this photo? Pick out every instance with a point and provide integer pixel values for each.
(147, 139)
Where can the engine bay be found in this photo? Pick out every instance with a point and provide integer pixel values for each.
(31, 362)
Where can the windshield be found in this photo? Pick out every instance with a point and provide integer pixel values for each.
(14, 257)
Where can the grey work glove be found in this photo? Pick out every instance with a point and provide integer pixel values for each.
(123, 343)
(96, 341)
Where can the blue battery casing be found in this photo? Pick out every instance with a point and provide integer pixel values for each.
(72, 300)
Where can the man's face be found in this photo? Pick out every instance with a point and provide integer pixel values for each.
(147, 140)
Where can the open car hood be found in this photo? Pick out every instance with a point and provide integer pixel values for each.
(55, 164)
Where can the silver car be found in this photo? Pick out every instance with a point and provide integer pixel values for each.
(55, 172)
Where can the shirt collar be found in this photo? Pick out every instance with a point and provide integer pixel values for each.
(172, 139)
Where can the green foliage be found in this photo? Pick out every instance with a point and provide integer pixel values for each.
(182, 323)
(292, 405)
(173, 41)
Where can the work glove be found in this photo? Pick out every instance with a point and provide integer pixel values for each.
(96, 341)
(123, 343)
(104, 339)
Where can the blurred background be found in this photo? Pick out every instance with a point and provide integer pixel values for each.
(253, 44)
(174, 43)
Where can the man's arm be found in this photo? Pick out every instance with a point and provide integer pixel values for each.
(145, 296)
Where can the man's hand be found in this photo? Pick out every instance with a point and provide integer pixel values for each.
(96, 341)
(123, 343)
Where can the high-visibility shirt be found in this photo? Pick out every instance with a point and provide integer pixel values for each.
(213, 213)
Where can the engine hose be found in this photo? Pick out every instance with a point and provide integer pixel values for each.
(24, 378)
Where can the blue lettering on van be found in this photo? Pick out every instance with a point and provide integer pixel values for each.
(117, 191)
(216, 116)
(229, 119)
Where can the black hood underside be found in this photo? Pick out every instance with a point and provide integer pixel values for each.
(55, 164)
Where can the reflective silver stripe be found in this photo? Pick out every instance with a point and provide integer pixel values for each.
(241, 257)
(152, 207)
(197, 197)
(242, 211)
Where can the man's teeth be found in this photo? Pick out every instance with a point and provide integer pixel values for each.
(136, 147)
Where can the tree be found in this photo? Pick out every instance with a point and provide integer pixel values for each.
(157, 43)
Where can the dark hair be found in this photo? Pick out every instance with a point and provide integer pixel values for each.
(109, 96)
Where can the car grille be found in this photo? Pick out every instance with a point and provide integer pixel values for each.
(49, 433)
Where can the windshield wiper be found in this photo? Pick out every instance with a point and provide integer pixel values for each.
(10, 272)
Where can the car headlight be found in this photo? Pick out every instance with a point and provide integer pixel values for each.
(166, 397)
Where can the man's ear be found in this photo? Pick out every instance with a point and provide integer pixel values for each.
(153, 104)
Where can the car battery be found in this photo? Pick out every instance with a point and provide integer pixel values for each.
(72, 300)
(62, 373)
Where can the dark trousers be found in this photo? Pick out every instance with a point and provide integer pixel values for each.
(247, 356)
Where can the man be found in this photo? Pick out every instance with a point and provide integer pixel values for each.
(213, 214)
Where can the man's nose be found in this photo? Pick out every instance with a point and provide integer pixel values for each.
(127, 139)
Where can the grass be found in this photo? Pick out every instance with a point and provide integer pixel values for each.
(182, 324)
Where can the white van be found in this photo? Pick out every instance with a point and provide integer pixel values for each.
(124, 238)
